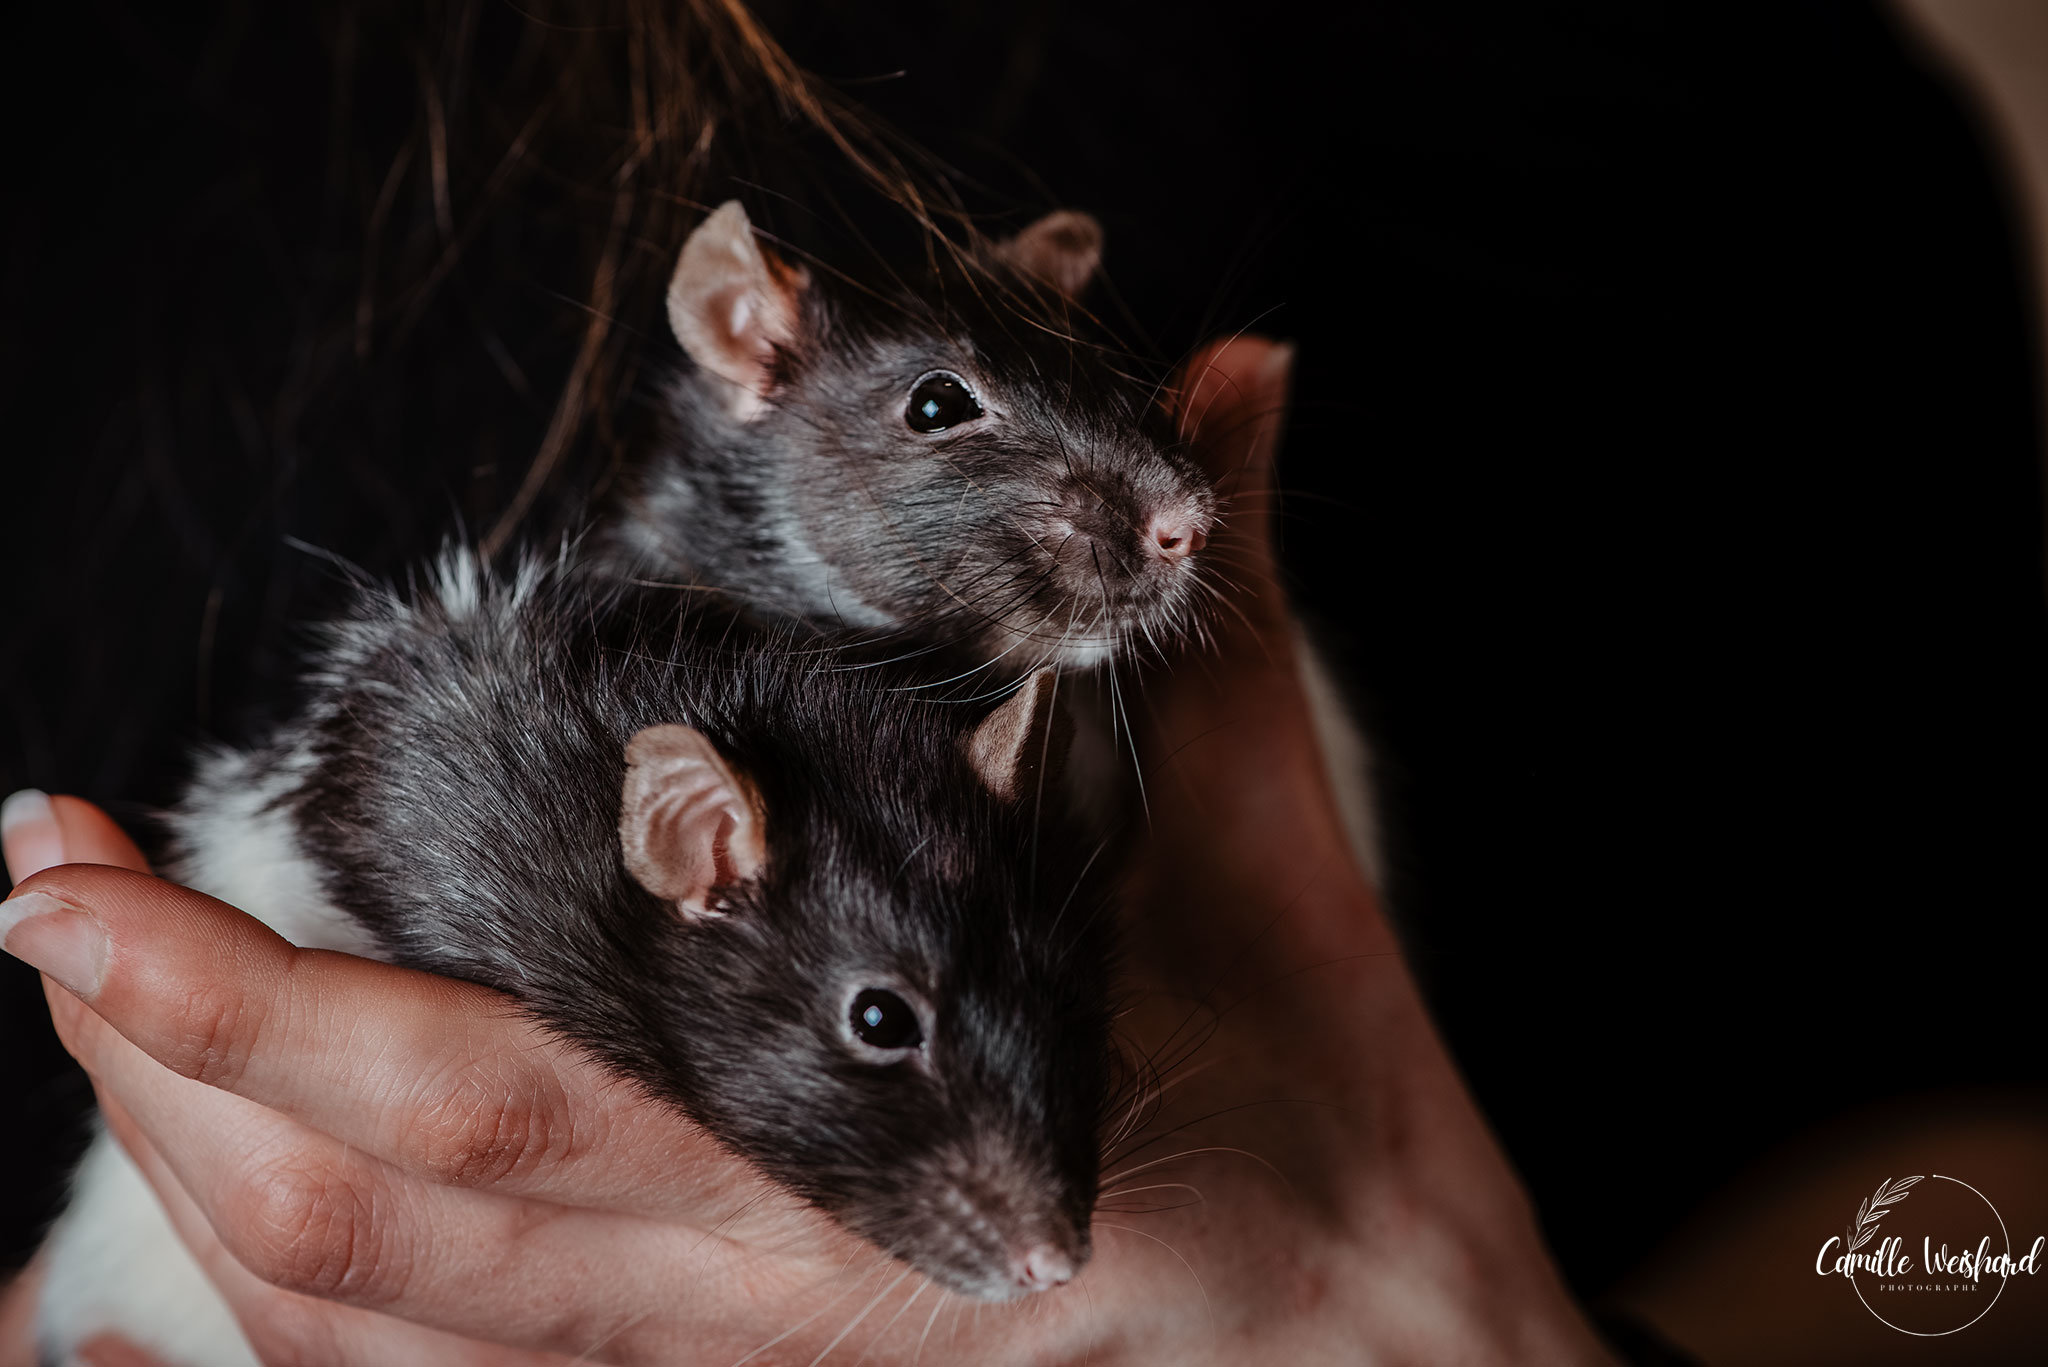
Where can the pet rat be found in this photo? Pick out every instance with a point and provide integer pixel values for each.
(962, 457)
(819, 911)
(961, 462)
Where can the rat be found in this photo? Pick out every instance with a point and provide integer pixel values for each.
(961, 456)
(824, 914)
(961, 461)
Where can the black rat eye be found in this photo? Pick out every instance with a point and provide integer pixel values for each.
(940, 401)
(883, 1020)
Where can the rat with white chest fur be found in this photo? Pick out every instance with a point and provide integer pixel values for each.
(602, 1228)
(825, 917)
(451, 798)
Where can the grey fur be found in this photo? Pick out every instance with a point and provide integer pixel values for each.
(458, 777)
(1021, 535)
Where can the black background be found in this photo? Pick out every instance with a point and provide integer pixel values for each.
(1665, 471)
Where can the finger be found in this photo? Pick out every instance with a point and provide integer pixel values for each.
(29, 831)
(1244, 807)
(1233, 407)
(40, 832)
(445, 1079)
(306, 1216)
(18, 1317)
(91, 837)
(111, 1350)
(285, 1327)
(1232, 397)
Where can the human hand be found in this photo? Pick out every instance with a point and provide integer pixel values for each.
(1352, 1204)
(379, 1166)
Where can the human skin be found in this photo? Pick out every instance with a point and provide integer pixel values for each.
(378, 1166)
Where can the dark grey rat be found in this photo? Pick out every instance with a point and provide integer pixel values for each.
(961, 456)
(821, 912)
(959, 460)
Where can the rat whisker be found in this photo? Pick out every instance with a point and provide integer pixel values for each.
(1135, 1169)
(1137, 767)
(933, 1318)
(1151, 1186)
(589, 1354)
(1209, 1309)
(865, 1310)
(924, 1284)
(808, 1319)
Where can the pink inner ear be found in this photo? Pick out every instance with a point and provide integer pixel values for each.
(724, 871)
(742, 310)
(731, 305)
(687, 823)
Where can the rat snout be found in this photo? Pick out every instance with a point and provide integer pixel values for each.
(1177, 533)
(1105, 555)
(1005, 1233)
(1042, 1267)
(1046, 1257)
(1112, 534)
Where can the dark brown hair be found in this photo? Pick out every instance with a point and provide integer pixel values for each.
(605, 128)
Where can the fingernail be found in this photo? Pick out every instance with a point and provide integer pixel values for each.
(29, 831)
(60, 940)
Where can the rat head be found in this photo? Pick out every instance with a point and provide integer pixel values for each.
(958, 456)
(893, 1007)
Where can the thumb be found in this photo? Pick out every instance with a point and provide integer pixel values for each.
(1233, 406)
(1233, 393)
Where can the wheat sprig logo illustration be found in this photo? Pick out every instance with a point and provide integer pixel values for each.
(1871, 1211)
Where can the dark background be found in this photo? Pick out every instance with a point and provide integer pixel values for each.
(1665, 473)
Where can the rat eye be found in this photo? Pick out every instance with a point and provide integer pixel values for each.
(882, 1020)
(940, 400)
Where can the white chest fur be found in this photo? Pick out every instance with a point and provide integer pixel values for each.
(113, 1260)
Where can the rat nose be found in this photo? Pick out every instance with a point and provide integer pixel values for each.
(1179, 534)
(1043, 1267)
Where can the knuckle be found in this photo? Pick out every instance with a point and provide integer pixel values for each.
(212, 1036)
(489, 1131)
(309, 1230)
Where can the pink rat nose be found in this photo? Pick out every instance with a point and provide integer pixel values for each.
(1178, 535)
(1043, 1267)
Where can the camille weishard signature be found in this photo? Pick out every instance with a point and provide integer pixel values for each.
(1939, 1266)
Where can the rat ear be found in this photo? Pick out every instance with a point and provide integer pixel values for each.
(1023, 742)
(688, 823)
(731, 304)
(1063, 249)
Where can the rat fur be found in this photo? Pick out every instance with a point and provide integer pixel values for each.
(1055, 522)
(1062, 524)
(451, 800)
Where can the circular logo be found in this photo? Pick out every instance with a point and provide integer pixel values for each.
(1927, 1255)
